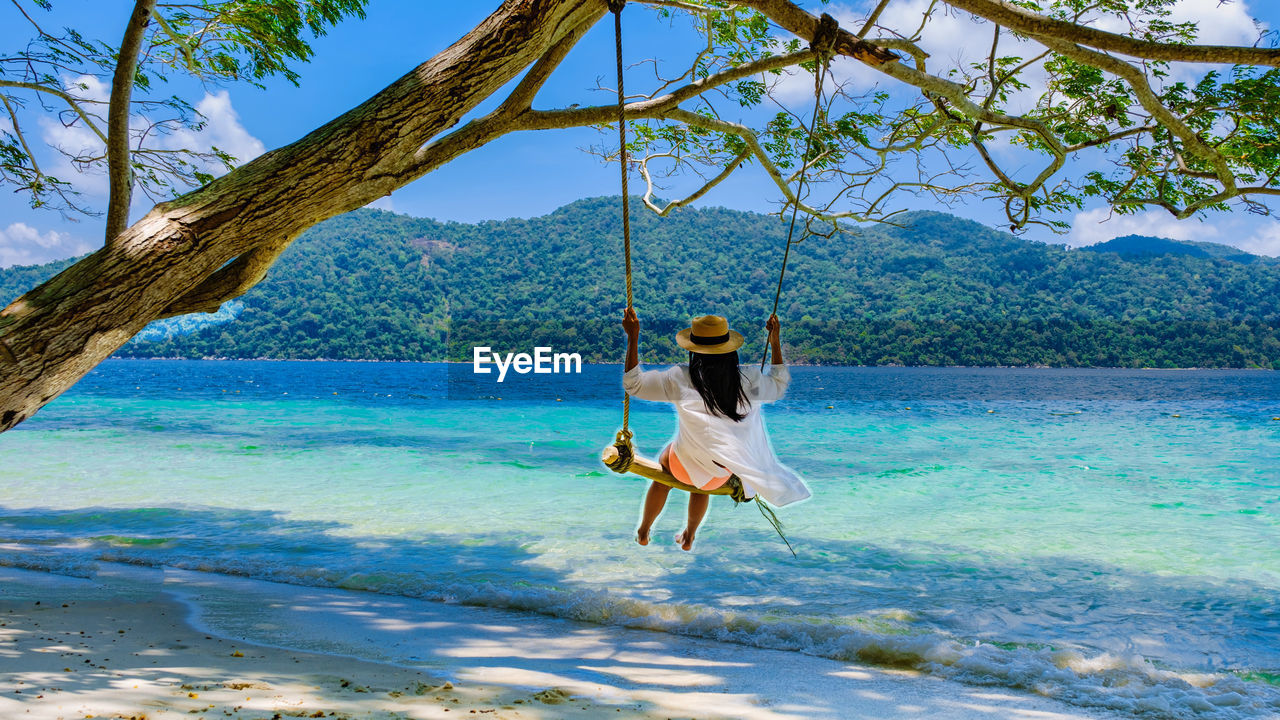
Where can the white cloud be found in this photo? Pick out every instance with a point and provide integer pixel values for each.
(1266, 241)
(955, 39)
(87, 87)
(76, 139)
(222, 129)
(21, 244)
(1100, 224)
(1217, 22)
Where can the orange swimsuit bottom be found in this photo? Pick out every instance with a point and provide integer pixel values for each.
(680, 473)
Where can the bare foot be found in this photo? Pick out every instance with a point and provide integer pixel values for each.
(642, 536)
(685, 540)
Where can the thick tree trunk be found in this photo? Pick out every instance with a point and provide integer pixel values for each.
(216, 241)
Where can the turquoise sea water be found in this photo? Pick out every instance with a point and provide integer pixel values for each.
(1108, 537)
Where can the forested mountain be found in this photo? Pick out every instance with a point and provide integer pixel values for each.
(940, 291)
(1137, 245)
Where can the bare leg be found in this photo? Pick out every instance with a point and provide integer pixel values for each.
(697, 510)
(654, 500)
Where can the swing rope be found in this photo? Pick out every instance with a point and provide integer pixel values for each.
(626, 451)
(822, 44)
(824, 39)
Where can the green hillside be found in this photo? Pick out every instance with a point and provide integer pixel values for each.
(942, 291)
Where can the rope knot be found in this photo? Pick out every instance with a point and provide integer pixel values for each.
(615, 6)
(824, 37)
(626, 453)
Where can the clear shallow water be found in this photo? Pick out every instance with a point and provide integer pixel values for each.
(1108, 537)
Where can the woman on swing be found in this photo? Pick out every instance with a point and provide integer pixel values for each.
(720, 429)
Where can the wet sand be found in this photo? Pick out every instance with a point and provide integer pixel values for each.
(134, 643)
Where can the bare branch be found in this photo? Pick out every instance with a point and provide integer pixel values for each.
(753, 144)
(991, 68)
(706, 187)
(73, 102)
(119, 170)
(871, 19)
(924, 20)
(1131, 132)
(192, 66)
(655, 107)
(686, 6)
(995, 168)
(958, 97)
(17, 131)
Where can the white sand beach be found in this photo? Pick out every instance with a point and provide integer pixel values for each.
(146, 643)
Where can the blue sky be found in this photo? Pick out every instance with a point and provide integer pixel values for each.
(528, 174)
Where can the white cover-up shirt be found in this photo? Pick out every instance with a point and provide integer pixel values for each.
(703, 439)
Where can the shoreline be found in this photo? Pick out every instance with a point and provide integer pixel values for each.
(170, 643)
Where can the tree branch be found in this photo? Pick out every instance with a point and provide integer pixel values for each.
(74, 103)
(958, 97)
(17, 131)
(1131, 132)
(119, 170)
(686, 6)
(656, 107)
(706, 187)
(871, 19)
(800, 23)
(505, 118)
(1147, 97)
(509, 116)
(1015, 18)
(522, 97)
(228, 282)
(753, 144)
(192, 66)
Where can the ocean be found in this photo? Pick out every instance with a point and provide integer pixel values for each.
(1106, 537)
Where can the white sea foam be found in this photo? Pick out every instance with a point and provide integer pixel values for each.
(1124, 683)
(1020, 548)
(70, 564)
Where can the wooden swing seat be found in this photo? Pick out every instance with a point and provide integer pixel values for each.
(646, 468)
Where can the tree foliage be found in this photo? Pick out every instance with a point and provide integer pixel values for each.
(1058, 114)
(1132, 124)
(60, 72)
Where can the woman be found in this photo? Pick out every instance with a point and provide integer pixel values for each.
(721, 431)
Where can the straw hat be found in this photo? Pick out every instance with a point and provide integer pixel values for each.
(709, 335)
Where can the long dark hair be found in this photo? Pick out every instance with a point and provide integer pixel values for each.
(717, 380)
